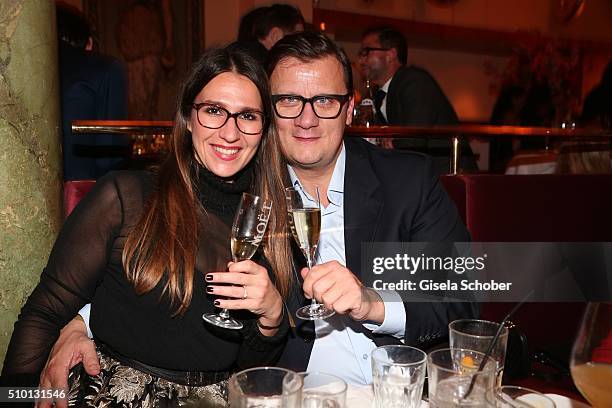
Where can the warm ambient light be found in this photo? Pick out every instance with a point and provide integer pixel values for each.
(322, 26)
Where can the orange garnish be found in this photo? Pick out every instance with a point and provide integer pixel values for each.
(468, 361)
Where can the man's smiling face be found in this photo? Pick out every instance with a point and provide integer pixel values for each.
(308, 141)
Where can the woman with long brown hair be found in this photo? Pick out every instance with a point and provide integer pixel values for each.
(139, 245)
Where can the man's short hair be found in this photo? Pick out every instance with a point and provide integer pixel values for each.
(72, 27)
(310, 46)
(391, 38)
(257, 23)
(248, 23)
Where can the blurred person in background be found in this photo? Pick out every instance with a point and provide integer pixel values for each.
(597, 107)
(263, 27)
(93, 87)
(408, 96)
(582, 157)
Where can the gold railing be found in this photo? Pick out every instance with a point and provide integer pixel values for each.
(150, 130)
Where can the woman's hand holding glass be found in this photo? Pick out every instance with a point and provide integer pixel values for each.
(248, 229)
(253, 291)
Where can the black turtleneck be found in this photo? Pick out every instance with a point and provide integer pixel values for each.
(222, 196)
(85, 266)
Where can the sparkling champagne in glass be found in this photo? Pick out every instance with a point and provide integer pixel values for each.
(305, 225)
(248, 229)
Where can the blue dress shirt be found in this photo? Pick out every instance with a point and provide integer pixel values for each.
(341, 347)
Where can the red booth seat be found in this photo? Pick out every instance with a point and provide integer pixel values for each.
(550, 208)
(531, 208)
(74, 191)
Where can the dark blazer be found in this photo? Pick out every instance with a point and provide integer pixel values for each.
(390, 196)
(92, 87)
(414, 98)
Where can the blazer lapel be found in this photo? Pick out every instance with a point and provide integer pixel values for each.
(392, 102)
(363, 204)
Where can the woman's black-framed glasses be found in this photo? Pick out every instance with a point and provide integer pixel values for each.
(211, 116)
(324, 106)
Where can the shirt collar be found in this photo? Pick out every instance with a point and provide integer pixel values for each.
(335, 190)
(385, 87)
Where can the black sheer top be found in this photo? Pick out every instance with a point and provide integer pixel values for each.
(85, 267)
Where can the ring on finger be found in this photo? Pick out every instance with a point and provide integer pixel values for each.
(244, 294)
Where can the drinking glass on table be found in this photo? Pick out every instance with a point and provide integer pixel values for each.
(265, 387)
(248, 229)
(510, 396)
(473, 334)
(398, 374)
(591, 360)
(451, 373)
(305, 225)
(322, 390)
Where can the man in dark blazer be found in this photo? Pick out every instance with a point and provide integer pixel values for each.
(367, 194)
(93, 86)
(409, 96)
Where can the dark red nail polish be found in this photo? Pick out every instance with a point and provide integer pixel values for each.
(209, 289)
(217, 303)
(208, 277)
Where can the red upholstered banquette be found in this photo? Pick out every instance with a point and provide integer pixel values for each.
(532, 208)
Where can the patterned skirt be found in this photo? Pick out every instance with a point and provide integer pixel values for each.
(119, 385)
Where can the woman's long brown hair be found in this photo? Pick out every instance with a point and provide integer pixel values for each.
(164, 243)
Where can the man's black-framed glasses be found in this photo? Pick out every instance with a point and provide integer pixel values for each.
(366, 50)
(211, 116)
(324, 106)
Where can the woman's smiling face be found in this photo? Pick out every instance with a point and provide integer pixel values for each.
(226, 150)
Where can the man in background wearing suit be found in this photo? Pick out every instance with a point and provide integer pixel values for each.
(93, 87)
(363, 200)
(408, 96)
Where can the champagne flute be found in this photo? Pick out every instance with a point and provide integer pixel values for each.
(248, 229)
(591, 362)
(305, 225)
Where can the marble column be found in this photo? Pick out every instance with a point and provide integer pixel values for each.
(30, 155)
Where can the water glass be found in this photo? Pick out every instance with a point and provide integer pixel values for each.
(473, 334)
(398, 373)
(265, 387)
(322, 390)
(451, 373)
(510, 396)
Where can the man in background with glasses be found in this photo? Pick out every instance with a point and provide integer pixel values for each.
(408, 96)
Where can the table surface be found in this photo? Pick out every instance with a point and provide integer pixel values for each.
(362, 396)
